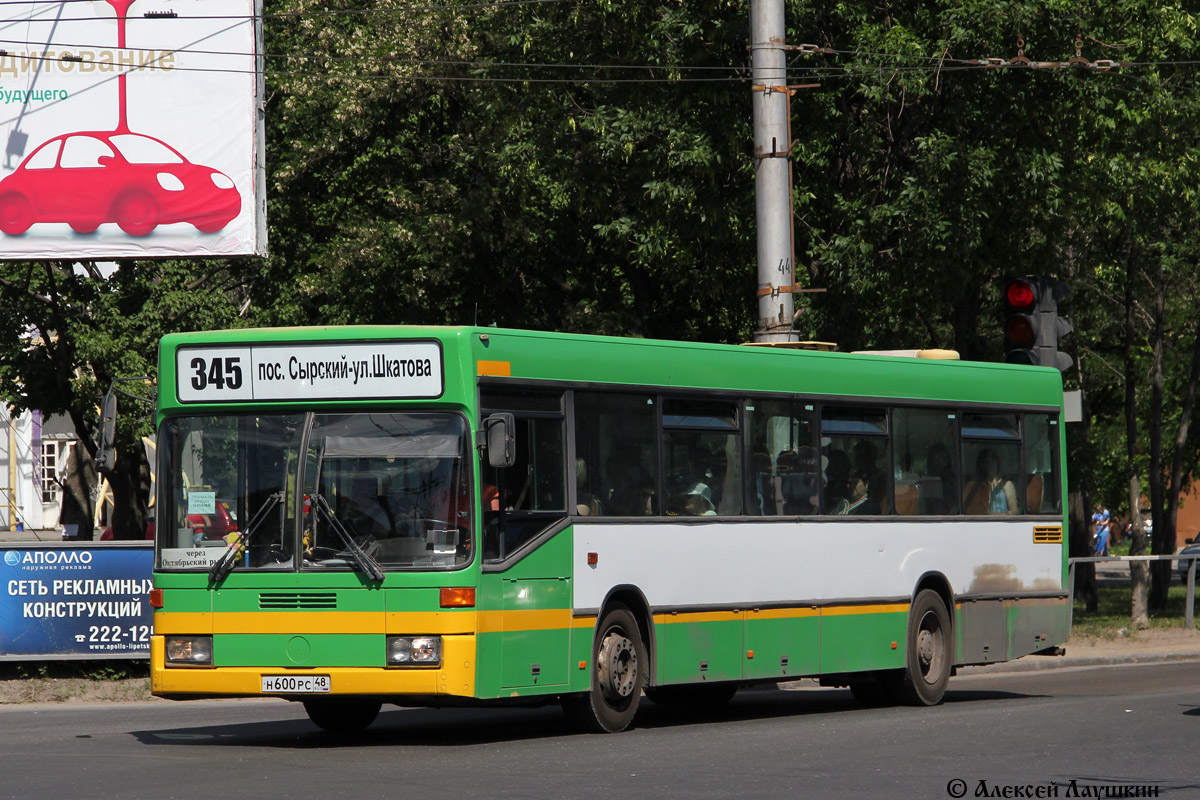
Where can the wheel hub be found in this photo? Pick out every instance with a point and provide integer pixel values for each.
(617, 664)
(925, 649)
(928, 647)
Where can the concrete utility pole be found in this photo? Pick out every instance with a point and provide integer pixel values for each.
(772, 173)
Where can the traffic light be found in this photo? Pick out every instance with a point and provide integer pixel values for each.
(1032, 326)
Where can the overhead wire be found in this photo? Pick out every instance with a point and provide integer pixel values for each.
(294, 14)
(736, 73)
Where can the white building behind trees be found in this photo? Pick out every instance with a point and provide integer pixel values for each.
(34, 452)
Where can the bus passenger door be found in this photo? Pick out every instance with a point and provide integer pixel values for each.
(527, 545)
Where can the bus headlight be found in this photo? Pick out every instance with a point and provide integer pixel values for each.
(414, 651)
(193, 651)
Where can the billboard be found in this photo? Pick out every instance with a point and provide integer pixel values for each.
(131, 129)
(75, 601)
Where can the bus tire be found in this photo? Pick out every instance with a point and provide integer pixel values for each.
(618, 659)
(699, 696)
(927, 659)
(342, 715)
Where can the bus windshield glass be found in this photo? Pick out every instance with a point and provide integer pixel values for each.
(397, 484)
(371, 491)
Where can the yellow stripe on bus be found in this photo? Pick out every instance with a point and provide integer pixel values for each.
(536, 619)
(782, 613)
(882, 608)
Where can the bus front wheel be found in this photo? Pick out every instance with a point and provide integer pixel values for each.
(342, 715)
(926, 671)
(618, 659)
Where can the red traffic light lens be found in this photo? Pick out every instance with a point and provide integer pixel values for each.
(1020, 294)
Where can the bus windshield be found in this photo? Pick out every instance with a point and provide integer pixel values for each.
(372, 490)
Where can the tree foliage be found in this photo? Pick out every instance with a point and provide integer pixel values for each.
(586, 166)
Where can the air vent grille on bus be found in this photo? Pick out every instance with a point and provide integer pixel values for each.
(297, 600)
(1047, 534)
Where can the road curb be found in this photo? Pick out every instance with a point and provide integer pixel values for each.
(1035, 663)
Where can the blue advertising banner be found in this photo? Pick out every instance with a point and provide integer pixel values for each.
(75, 601)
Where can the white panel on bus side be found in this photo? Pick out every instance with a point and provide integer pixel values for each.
(678, 564)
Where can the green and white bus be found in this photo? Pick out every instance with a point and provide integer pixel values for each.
(435, 516)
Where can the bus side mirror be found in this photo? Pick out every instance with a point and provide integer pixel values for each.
(105, 455)
(499, 440)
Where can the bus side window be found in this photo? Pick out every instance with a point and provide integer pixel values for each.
(927, 471)
(992, 460)
(784, 468)
(1041, 464)
(616, 455)
(703, 457)
(857, 473)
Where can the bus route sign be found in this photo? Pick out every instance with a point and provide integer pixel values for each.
(362, 370)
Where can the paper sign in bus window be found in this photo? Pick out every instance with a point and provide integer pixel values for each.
(202, 502)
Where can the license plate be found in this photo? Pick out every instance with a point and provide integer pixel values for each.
(295, 684)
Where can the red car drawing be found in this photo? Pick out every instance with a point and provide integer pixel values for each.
(91, 177)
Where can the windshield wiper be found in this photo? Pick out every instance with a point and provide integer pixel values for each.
(224, 565)
(368, 565)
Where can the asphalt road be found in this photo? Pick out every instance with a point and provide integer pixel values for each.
(1120, 727)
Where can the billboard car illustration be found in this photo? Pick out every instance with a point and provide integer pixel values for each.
(88, 178)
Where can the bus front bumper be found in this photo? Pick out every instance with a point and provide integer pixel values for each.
(455, 677)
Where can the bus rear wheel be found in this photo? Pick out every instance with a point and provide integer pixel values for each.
(618, 659)
(926, 671)
(342, 715)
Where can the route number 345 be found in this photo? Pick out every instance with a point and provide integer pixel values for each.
(217, 372)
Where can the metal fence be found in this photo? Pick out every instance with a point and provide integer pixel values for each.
(1189, 603)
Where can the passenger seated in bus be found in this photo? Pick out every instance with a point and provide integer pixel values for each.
(697, 501)
(990, 492)
(857, 499)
